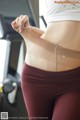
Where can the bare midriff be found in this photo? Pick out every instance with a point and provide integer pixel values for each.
(65, 38)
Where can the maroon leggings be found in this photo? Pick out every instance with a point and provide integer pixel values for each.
(51, 95)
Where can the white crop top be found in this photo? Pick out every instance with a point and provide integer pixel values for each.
(58, 10)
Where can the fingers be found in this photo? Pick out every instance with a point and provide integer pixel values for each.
(20, 23)
(24, 23)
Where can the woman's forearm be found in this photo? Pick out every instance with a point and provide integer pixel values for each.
(38, 31)
(35, 38)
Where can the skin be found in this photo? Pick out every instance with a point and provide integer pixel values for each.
(40, 44)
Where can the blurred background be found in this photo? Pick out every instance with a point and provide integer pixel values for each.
(12, 52)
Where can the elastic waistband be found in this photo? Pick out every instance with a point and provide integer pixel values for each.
(35, 70)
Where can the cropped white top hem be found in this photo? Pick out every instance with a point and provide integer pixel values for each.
(67, 11)
(72, 16)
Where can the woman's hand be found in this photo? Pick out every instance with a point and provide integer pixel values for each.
(21, 23)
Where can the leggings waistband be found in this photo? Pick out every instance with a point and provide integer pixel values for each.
(34, 70)
(35, 75)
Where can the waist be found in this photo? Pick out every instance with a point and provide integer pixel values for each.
(65, 33)
(63, 53)
(54, 62)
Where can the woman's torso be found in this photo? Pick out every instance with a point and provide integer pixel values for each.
(63, 33)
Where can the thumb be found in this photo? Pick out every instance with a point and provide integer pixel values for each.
(14, 25)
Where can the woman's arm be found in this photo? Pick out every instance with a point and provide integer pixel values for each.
(34, 37)
(21, 23)
(37, 31)
(22, 26)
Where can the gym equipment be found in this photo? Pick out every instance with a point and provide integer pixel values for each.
(12, 57)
